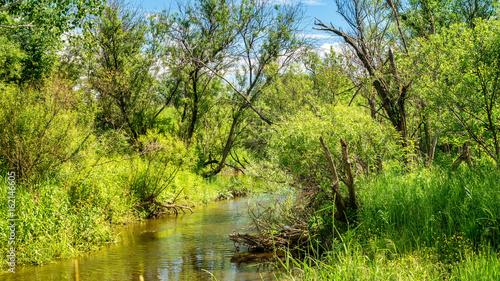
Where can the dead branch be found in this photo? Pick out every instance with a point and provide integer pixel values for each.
(242, 95)
(464, 156)
(174, 207)
(396, 16)
(339, 201)
(287, 238)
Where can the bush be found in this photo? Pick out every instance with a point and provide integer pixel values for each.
(296, 146)
(41, 128)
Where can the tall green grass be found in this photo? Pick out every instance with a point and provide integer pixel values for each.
(425, 207)
(424, 225)
(353, 264)
(48, 226)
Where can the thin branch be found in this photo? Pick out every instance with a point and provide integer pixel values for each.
(249, 103)
(396, 15)
(8, 6)
(17, 26)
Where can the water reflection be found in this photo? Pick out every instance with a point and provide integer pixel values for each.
(187, 247)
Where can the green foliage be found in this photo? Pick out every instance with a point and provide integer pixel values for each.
(41, 55)
(47, 16)
(427, 17)
(330, 77)
(36, 26)
(461, 72)
(151, 175)
(11, 57)
(41, 128)
(120, 72)
(296, 146)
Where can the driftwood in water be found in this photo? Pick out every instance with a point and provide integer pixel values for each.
(288, 238)
(465, 156)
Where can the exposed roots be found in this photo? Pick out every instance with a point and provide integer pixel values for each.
(174, 207)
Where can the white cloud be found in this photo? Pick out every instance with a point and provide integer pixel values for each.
(325, 48)
(314, 2)
(315, 36)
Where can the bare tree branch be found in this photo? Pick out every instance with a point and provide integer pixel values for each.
(17, 26)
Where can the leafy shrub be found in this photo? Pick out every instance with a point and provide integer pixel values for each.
(41, 128)
(296, 146)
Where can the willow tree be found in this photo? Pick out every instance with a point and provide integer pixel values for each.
(370, 23)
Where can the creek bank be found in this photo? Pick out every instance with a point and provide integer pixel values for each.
(183, 247)
(52, 227)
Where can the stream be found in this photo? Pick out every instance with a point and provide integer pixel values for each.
(184, 247)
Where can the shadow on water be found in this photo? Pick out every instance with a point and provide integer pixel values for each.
(186, 247)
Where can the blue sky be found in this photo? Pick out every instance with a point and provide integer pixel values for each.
(324, 10)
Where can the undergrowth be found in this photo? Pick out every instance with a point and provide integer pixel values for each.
(80, 212)
(421, 225)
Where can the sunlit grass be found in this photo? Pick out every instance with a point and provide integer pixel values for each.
(423, 225)
(80, 212)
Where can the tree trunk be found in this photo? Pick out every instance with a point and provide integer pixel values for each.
(464, 156)
(349, 181)
(434, 142)
(229, 144)
(194, 111)
(341, 204)
(340, 214)
(192, 122)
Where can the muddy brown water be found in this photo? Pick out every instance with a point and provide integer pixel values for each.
(185, 247)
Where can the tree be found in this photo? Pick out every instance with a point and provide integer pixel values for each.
(330, 78)
(377, 53)
(36, 28)
(427, 17)
(56, 16)
(267, 44)
(461, 74)
(122, 71)
(199, 34)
